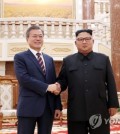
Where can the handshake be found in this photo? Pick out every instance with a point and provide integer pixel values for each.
(54, 88)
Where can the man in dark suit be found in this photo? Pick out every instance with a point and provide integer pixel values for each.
(35, 72)
(92, 96)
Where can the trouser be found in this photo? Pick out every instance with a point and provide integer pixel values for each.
(83, 127)
(26, 125)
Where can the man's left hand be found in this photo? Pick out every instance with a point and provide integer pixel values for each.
(112, 111)
(57, 114)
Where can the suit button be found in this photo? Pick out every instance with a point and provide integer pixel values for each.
(85, 64)
(85, 80)
(85, 72)
(86, 90)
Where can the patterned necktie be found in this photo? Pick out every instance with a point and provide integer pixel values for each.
(41, 62)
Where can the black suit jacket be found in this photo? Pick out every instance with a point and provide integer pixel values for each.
(91, 85)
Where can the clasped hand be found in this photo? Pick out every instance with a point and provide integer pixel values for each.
(54, 88)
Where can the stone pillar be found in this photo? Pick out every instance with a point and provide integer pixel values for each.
(88, 9)
(115, 39)
(1, 8)
(78, 9)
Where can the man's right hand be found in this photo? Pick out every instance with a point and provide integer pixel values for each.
(54, 88)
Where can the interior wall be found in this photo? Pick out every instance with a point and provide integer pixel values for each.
(9, 68)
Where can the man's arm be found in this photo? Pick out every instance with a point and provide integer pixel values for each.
(62, 77)
(113, 103)
(25, 79)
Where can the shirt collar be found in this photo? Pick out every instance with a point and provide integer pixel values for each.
(34, 51)
(89, 56)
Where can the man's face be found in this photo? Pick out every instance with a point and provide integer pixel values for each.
(84, 42)
(35, 39)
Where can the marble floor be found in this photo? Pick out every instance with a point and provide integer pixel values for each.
(57, 129)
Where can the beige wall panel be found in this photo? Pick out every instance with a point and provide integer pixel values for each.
(58, 49)
(52, 49)
(14, 48)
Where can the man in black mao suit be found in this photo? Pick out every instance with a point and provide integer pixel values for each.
(92, 96)
(36, 104)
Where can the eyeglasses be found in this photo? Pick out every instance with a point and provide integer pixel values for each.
(84, 39)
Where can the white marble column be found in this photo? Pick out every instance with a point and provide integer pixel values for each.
(78, 8)
(1, 8)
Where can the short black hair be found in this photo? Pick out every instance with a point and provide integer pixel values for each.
(33, 27)
(83, 30)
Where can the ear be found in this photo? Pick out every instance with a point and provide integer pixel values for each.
(75, 42)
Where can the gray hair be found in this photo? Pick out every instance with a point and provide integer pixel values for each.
(34, 27)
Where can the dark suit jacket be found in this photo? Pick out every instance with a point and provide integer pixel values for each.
(91, 85)
(33, 85)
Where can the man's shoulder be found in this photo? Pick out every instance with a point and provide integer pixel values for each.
(101, 55)
(71, 56)
(21, 53)
(48, 56)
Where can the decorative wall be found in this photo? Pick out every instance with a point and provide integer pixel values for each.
(39, 8)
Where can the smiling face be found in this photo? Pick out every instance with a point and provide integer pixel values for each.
(35, 39)
(84, 43)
